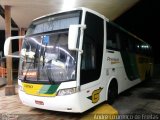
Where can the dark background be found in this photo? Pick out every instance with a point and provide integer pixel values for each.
(143, 20)
(2, 39)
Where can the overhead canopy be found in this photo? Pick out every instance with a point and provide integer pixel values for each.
(24, 11)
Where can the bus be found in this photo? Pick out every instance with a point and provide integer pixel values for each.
(73, 60)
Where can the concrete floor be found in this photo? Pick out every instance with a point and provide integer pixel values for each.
(12, 108)
(141, 100)
(2, 81)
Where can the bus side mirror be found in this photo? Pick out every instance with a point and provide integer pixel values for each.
(7, 45)
(73, 36)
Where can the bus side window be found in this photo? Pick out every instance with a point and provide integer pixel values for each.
(127, 43)
(137, 44)
(89, 56)
(112, 37)
(109, 44)
(124, 42)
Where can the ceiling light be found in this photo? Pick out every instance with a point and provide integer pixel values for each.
(68, 4)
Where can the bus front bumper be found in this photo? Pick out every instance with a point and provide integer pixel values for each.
(67, 103)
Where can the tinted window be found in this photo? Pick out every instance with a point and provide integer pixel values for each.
(92, 49)
(112, 37)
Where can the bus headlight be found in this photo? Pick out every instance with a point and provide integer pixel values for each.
(67, 91)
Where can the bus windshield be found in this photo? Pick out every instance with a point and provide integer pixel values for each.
(45, 56)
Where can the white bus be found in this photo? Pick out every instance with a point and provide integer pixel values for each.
(74, 60)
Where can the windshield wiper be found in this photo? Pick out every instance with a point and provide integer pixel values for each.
(24, 79)
(43, 55)
(49, 78)
(36, 56)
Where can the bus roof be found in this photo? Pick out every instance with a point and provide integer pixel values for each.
(79, 8)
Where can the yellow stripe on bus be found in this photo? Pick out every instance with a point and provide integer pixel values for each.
(34, 89)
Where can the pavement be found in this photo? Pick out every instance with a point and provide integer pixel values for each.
(141, 101)
(2, 81)
(12, 108)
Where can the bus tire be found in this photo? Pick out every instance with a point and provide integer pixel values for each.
(112, 92)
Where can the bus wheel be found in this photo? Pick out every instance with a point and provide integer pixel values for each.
(112, 92)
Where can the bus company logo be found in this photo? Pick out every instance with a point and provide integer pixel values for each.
(95, 95)
(113, 60)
